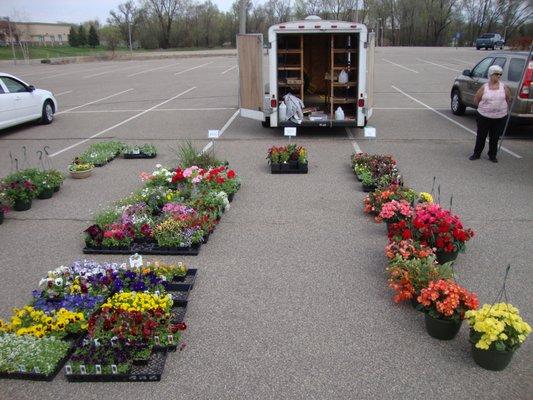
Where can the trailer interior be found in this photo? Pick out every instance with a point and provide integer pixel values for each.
(308, 66)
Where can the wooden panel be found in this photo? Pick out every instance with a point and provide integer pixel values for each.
(250, 53)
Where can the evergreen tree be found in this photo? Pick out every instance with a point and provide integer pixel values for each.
(93, 37)
(73, 37)
(82, 36)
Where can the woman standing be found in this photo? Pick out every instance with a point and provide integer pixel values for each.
(492, 101)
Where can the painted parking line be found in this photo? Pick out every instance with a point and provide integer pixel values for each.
(222, 130)
(62, 93)
(94, 101)
(110, 71)
(229, 69)
(153, 69)
(70, 73)
(122, 122)
(400, 66)
(190, 69)
(439, 65)
(450, 119)
(355, 145)
(158, 110)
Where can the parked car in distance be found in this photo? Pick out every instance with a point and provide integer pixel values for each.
(490, 41)
(21, 102)
(467, 84)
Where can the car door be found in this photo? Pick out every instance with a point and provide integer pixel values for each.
(7, 115)
(478, 77)
(25, 105)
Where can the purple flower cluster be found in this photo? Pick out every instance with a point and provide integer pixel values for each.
(130, 212)
(72, 302)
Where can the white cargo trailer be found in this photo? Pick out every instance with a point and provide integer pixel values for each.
(326, 64)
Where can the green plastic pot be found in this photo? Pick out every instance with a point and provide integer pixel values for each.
(22, 205)
(444, 257)
(46, 193)
(492, 360)
(442, 329)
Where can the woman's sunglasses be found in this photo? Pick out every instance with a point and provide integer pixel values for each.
(497, 74)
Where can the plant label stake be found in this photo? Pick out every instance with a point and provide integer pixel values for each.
(289, 131)
(98, 369)
(36, 370)
(170, 339)
(213, 134)
(114, 369)
(68, 369)
(156, 340)
(136, 261)
(83, 370)
(22, 368)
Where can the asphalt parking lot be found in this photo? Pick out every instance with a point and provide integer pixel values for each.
(291, 301)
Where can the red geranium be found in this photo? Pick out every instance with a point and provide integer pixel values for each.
(445, 299)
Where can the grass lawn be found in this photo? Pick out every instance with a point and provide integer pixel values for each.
(67, 51)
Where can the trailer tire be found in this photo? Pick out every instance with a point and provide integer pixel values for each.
(266, 122)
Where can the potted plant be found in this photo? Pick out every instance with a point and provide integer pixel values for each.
(407, 277)
(56, 178)
(44, 186)
(142, 151)
(496, 332)
(444, 303)
(79, 169)
(369, 184)
(20, 191)
(440, 229)
(118, 236)
(375, 200)
(4, 201)
(288, 159)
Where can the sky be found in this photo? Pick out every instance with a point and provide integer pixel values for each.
(74, 11)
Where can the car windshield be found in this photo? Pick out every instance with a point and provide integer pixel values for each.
(487, 36)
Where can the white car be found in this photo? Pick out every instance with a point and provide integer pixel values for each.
(21, 102)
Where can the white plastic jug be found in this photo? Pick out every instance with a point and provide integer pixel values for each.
(343, 77)
(339, 114)
(282, 111)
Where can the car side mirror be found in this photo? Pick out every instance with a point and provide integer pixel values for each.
(467, 72)
(31, 88)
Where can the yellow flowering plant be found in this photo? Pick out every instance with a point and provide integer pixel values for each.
(425, 197)
(30, 321)
(139, 301)
(497, 327)
(168, 271)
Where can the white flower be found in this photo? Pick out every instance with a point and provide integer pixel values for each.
(158, 166)
(58, 281)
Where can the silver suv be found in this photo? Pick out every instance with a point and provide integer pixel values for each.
(467, 84)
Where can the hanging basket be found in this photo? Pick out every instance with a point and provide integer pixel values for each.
(442, 329)
(444, 257)
(492, 360)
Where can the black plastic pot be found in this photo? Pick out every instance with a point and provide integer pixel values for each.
(442, 329)
(1, 215)
(20, 205)
(444, 257)
(368, 188)
(493, 360)
(46, 194)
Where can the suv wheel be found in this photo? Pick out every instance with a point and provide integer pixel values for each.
(457, 105)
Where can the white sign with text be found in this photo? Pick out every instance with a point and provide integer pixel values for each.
(290, 131)
(213, 134)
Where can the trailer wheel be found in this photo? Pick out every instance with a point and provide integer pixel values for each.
(266, 122)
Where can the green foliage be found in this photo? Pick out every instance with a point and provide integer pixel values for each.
(189, 155)
(147, 149)
(100, 153)
(106, 217)
(73, 37)
(82, 36)
(93, 39)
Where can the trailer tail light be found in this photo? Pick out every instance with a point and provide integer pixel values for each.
(301, 26)
(333, 26)
(273, 102)
(317, 26)
(526, 84)
(353, 26)
(361, 103)
(282, 27)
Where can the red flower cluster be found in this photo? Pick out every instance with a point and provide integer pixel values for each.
(407, 249)
(399, 230)
(400, 282)
(440, 228)
(119, 232)
(447, 298)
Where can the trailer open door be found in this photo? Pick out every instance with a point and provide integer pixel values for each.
(370, 74)
(250, 60)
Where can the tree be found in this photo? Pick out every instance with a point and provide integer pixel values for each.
(93, 37)
(73, 37)
(82, 36)
(126, 19)
(111, 36)
(165, 12)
